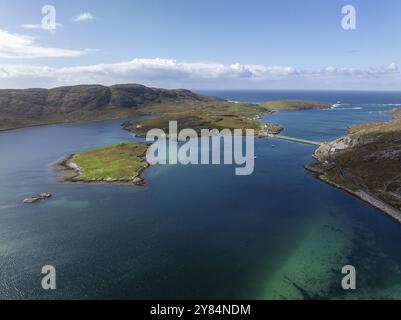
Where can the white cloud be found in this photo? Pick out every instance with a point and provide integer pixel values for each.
(86, 16)
(392, 67)
(172, 73)
(21, 46)
(31, 26)
(38, 26)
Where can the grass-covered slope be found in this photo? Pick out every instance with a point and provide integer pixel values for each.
(204, 115)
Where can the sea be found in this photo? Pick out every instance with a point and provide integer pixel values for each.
(197, 231)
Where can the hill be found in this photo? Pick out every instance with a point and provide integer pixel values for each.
(27, 107)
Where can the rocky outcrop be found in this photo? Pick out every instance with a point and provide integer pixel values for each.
(324, 151)
(350, 141)
(39, 197)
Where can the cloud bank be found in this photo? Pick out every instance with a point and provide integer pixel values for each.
(172, 73)
(37, 26)
(17, 46)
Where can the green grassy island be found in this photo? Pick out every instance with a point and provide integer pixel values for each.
(291, 105)
(119, 163)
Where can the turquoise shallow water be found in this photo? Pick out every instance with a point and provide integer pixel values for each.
(195, 231)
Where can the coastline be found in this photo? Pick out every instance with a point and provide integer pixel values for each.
(70, 122)
(359, 194)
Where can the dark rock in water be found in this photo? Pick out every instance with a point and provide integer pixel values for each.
(138, 181)
(39, 197)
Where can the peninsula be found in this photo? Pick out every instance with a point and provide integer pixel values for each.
(217, 115)
(199, 115)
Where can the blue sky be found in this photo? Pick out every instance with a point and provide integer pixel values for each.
(254, 44)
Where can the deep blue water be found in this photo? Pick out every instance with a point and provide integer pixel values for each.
(351, 107)
(196, 231)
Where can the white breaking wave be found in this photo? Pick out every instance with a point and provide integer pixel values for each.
(8, 206)
(337, 105)
(377, 112)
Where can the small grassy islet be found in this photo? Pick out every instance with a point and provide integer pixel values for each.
(123, 160)
(292, 105)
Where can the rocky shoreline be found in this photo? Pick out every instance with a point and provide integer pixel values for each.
(319, 173)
